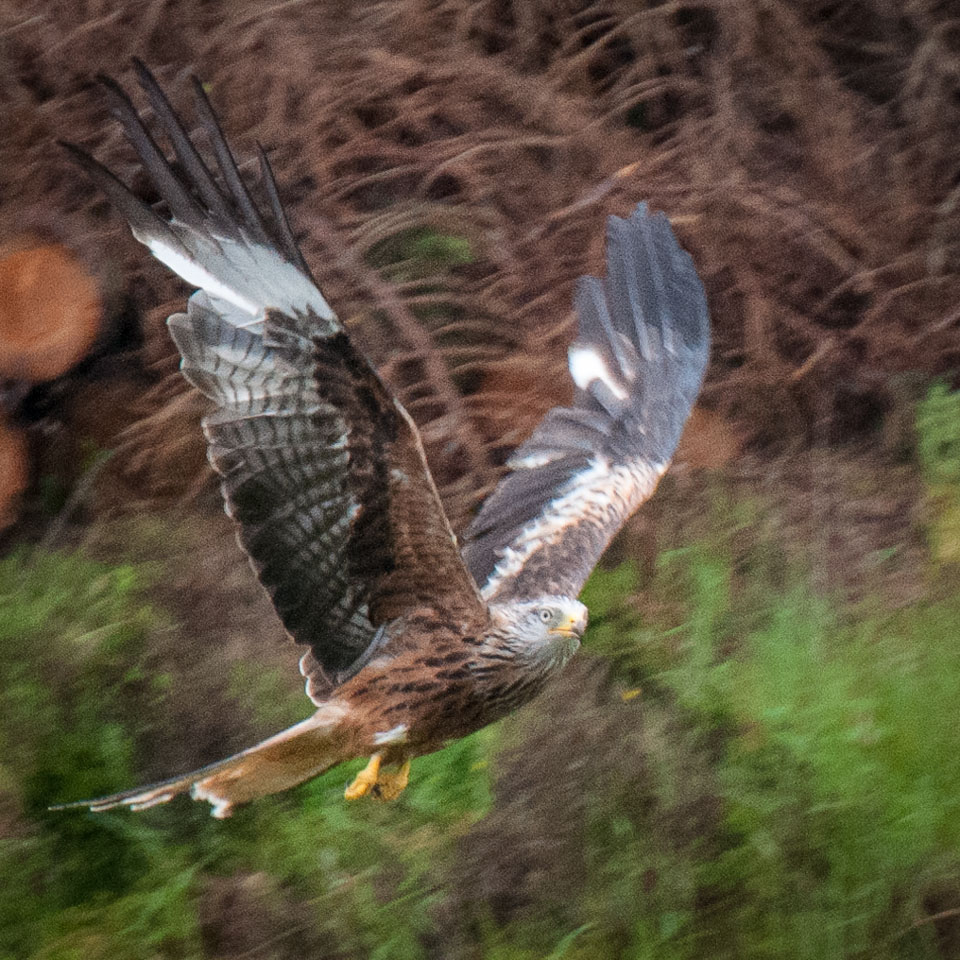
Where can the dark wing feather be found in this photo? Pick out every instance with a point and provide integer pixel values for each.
(638, 362)
(322, 469)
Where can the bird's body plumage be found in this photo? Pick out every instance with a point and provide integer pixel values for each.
(411, 640)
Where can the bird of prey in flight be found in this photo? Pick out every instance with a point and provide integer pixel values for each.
(412, 639)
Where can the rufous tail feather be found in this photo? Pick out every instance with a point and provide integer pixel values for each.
(299, 753)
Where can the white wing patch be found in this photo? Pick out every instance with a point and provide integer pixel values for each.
(602, 494)
(586, 365)
(194, 273)
(247, 276)
(533, 460)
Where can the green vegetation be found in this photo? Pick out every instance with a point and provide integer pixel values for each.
(419, 252)
(74, 636)
(938, 450)
(836, 769)
(73, 670)
(798, 793)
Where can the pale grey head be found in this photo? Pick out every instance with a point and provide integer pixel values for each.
(545, 631)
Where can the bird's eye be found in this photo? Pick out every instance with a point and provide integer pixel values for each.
(545, 616)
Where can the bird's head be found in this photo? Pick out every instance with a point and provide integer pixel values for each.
(547, 629)
(559, 617)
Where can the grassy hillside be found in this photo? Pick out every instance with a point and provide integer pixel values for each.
(739, 766)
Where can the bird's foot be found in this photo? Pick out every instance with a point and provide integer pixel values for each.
(365, 780)
(378, 782)
(391, 785)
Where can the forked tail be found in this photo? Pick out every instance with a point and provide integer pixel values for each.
(299, 753)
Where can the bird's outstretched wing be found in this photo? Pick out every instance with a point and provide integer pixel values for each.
(638, 362)
(322, 468)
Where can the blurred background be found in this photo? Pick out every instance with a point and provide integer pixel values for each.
(756, 752)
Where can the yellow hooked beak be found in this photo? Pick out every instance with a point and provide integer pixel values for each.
(572, 625)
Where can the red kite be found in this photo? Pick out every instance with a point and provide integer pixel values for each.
(412, 640)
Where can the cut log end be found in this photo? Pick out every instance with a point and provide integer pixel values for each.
(50, 311)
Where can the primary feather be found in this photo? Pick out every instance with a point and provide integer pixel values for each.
(322, 468)
(637, 364)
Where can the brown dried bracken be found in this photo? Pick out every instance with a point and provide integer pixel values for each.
(807, 153)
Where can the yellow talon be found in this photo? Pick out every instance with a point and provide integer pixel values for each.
(391, 785)
(365, 780)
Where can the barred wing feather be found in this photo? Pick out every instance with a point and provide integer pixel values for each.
(321, 467)
(637, 363)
